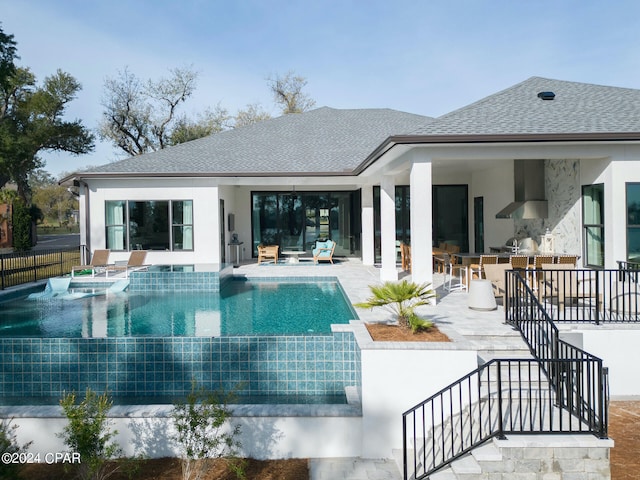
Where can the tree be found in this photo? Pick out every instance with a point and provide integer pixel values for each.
(253, 113)
(211, 121)
(31, 119)
(287, 92)
(55, 202)
(141, 117)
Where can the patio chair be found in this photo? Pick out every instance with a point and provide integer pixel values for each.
(324, 251)
(99, 260)
(495, 272)
(450, 270)
(135, 262)
(266, 252)
(555, 284)
(567, 260)
(438, 261)
(405, 255)
(477, 268)
(536, 269)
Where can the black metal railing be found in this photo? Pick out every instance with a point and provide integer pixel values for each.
(503, 396)
(589, 400)
(20, 268)
(563, 389)
(594, 296)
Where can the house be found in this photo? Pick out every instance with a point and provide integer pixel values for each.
(541, 156)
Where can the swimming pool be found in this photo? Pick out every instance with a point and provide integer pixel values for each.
(241, 307)
(157, 361)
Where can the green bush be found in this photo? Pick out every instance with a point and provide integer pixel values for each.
(9, 445)
(89, 434)
(202, 432)
(21, 221)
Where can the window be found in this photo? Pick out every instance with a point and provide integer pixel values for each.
(593, 224)
(295, 220)
(149, 225)
(116, 226)
(633, 222)
(182, 218)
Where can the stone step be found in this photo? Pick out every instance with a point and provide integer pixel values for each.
(487, 452)
(444, 474)
(466, 465)
(486, 355)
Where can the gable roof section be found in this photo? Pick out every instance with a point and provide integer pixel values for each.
(324, 141)
(578, 108)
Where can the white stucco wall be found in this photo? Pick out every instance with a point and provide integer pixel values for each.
(617, 346)
(204, 194)
(394, 380)
(261, 436)
(495, 185)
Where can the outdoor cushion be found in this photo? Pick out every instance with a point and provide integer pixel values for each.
(323, 245)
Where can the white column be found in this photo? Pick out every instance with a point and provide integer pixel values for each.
(214, 218)
(421, 222)
(389, 271)
(367, 239)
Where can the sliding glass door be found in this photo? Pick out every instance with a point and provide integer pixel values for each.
(295, 220)
(450, 213)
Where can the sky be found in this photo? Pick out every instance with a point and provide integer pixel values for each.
(427, 57)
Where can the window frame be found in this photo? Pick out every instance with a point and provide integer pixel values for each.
(587, 227)
(629, 226)
(170, 225)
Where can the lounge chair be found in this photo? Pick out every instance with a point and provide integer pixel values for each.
(324, 251)
(99, 260)
(266, 252)
(135, 262)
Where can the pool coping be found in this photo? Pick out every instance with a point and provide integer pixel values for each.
(164, 411)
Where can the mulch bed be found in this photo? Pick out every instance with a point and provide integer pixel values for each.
(624, 429)
(382, 332)
(170, 469)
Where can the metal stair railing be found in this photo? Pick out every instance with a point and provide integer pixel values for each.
(562, 390)
(589, 397)
(503, 396)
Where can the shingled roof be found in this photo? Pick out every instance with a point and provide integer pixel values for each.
(321, 141)
(329, 141)
(576, 108)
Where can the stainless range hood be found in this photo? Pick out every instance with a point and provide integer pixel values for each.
(530, 202)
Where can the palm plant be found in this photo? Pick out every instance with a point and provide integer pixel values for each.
(401, 298)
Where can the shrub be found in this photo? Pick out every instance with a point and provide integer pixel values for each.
(89, 434)
(9, 444)
(21, 224)
(401, 298)
(202, 432)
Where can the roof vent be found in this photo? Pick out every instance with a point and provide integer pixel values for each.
(547, 95)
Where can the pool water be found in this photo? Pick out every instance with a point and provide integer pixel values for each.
(240, 308)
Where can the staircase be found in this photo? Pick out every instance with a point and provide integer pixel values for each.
(528, 382)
